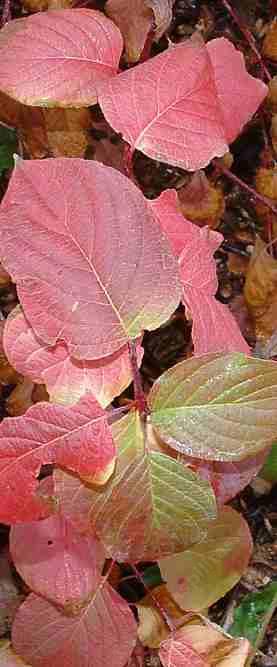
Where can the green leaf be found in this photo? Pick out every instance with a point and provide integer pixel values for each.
(201, 575)
(219, 407)
(254, 613)
(8, 146)
(153, 505)
(269, 470)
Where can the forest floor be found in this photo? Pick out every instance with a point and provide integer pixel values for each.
(240, 221)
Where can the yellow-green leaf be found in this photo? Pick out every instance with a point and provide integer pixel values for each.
(218, 406)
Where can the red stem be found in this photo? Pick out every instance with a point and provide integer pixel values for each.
(248, 36)
(253, 193)
(138, 388)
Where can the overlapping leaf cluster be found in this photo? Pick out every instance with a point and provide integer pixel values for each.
(96, 264)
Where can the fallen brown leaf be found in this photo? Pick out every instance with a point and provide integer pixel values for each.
(202, 202)
(260, 291)
(134, 20)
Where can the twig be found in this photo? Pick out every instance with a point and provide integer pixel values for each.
(138, 388)
(6, 13)
(248, 36)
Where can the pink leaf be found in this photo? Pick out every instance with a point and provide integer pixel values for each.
(56, 561)
(64, 252)
(66, 379)
(239, 93)
(183, 124)
(77, 438)
(179, 124)
(228, 478)
(58, 58)
(74, 499)
(214, 327)
(104, 633)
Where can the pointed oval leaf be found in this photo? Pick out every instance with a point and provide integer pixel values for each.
(104, 632)
(57, 562)
(201, 575)
(58, 58)
(218, 407)
(66, 379)
(77, 438)
(239, 93)
(180, 124)
(172, 508)
(57, 252)
(74, 499)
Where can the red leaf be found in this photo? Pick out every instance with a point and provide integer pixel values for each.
(66, 379)
(104, 633)
(57, 562)
(74, 500)
(76, 438)
(214, 327)
(58, 58)
(239, 93)
(181, 124)
(58, 254)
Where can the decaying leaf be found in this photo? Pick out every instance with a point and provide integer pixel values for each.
(201, 575)
(266, 185)
(134, 19)
(270, 42)
(8, 657)
(152, 629)
(261, 291)
(218, 407)
(201, 644)
(44, 5)
(202, 202)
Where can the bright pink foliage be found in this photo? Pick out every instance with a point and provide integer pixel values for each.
(74, 52)
(64, 252)
(106, 629)
(214, 327)
(183, 124)
(66, 379)
(56, 562)
(77, 438)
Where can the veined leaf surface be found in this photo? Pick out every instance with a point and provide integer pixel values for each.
(152, 505)
(66, 379)
(58, 58)
(88, 253)
(104, 632)
(57, 562)
(218, 407)
(183, 124)
(77, 438)
(202, 574)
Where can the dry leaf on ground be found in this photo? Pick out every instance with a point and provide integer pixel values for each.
(260, 291)
(202, 202)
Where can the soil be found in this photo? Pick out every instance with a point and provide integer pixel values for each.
(239, 225)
